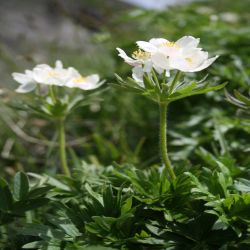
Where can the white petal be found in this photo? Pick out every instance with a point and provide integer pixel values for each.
(43, 66)
(188, 60)
(89, 85)
(21, 78)
(146, 46)
(40, 75)
(160, 60)
(59, 64)
(206, 64)
(25, 88)
(197, 57)
(188, 41)
(94, 79)
(127, 59)
(137, 74)
(148, 66)
(29, 73)
(158, 41)
(74, 73)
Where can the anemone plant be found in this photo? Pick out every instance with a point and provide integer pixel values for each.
(153, 64)
(44, 78)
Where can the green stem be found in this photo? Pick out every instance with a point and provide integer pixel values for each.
(62, 146)
(156, 79)
(176, 79)
(52, 94)
(163, 140)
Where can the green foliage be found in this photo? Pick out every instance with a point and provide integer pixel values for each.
(239, 100)
(162, 91)
(23, 198)
(126, 208)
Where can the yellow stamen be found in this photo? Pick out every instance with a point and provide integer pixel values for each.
(171, 45)
(140, 55)
(189, 60)
(52, 73)
(79, 79)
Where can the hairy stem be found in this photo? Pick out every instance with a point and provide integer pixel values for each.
(163, 140)
(62, 146)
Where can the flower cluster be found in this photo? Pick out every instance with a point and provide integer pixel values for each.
(60, 76)
(164, 56)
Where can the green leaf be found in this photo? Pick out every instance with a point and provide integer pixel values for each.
(97, 248)
(185, 88)
(38, 192)
(242, 185)
(127, 205)
(35, 244)
(199, 91)
(43, 231)
(44, 245)
(21, 186)
(51, 181)
(64, 224)
(94, 195)
(6, 199)
(242, 98)
(26, 205)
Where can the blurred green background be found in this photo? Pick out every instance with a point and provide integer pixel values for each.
(122, 127)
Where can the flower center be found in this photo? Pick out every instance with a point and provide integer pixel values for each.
(53, 73)
(189, 60)
(140, 55)
(171, 45)
(79, 79)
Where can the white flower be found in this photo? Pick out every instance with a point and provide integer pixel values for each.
(45, 74)
(141, 62)
(85, 83)
(183, 55)
(138, 58)
(60, 76)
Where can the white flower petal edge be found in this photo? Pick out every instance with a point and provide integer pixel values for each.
(86, 83)
(128, 59)
(194, 61)
(23, 78)
(148, 46)
(188, 42)
(137, 75)
(26, 88)
(26, 80)
(206, 64)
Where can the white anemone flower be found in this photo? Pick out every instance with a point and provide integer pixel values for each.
(183, 55)
(141, 62)
(83, 82)
(138, 58)
(58, 75)
(26, 81)
(42, 74)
